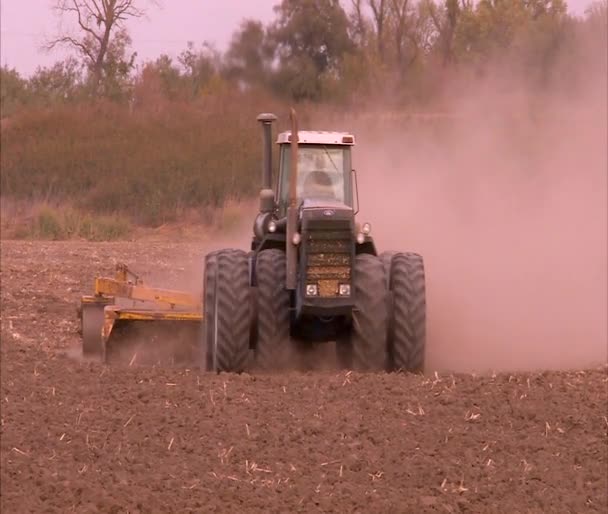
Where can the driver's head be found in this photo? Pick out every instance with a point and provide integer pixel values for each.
(318, 183)
(320, 163)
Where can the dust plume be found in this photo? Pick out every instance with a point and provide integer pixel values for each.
(506, 199)
(185, 270)
(507, 202)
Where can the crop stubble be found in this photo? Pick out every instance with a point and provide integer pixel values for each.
(84, 437)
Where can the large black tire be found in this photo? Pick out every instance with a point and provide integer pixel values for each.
(227, 311)
(407, 333)
(368, 346)
(272, 350)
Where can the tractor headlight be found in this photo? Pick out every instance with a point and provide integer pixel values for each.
(296, 239)
(272, 226)
(360, 238)
(366, 228)
(344, 290)
(312, 290)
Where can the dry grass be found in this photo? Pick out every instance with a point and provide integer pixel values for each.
(55, 221)
(46, 221)
(152, 167)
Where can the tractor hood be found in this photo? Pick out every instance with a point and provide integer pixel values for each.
(326, 204)
(328, 214)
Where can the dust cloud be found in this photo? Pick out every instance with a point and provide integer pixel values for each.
(185, 271)
(507, 202)
(506, 199)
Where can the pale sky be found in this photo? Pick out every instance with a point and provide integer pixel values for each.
(25, 24)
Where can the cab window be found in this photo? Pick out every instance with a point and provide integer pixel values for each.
(323, 173)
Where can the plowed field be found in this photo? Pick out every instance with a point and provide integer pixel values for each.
(83, 437)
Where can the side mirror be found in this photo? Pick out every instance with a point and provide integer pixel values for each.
(355, 191)
(266, 200)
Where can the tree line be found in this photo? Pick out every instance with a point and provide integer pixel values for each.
(315, 51)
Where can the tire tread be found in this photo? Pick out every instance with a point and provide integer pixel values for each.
(408, 338)
(228, 285)
(273, 311)
(370, 316)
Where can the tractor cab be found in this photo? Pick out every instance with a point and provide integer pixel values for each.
(316, 190)
(324, 175)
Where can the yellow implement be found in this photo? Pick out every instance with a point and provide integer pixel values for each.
(103, 320)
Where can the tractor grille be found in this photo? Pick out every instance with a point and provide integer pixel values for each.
(328, 259)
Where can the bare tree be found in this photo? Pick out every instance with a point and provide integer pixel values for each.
(98, 21)
(446, 22)
(358, 22)
(404, 30)
(379, 10)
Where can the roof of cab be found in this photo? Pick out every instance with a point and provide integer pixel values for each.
(318, 137)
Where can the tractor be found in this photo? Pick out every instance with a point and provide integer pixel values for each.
(312, 273)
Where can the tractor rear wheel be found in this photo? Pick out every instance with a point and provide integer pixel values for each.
(227, 311)
(368, 349)
(273, 338)
(407, 334)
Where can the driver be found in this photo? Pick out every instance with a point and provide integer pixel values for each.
(318, 184)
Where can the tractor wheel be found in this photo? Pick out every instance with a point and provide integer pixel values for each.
(92, 326)
(273, 338)
(227, 311)
(370, 316)
(407, 335)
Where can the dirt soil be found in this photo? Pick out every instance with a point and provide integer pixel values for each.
(83, 437)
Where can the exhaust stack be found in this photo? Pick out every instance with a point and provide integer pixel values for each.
(292, 209)
(266, 119)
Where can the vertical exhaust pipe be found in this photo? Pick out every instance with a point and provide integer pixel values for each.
(292, 209)
(266, 119)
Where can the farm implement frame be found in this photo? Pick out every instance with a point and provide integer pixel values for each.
(103, 312)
